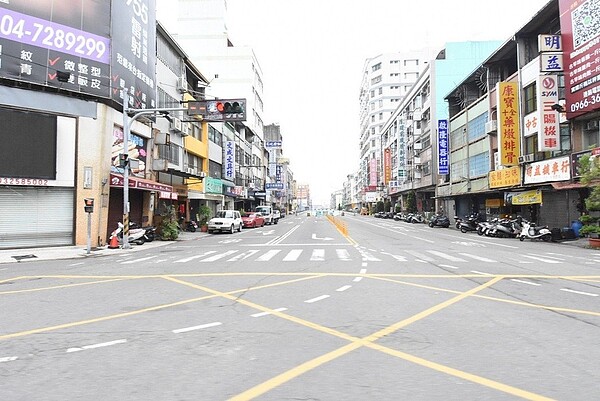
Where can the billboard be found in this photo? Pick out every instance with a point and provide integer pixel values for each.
(581, 44)
(92, 47)
(133, 55)
(443, 147)
(59, 43)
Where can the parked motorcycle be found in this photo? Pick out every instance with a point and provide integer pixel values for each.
(191, 225)
(439, 220)
(149, 231)
(136, 235)
(470, 223)
(505, 228)
(531, 231)
(416, 218)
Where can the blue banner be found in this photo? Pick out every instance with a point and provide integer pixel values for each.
(443, 147)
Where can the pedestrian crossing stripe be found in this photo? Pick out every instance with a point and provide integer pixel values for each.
(343, 254)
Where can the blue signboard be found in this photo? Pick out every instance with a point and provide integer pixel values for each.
(443, 147)
(274, 185)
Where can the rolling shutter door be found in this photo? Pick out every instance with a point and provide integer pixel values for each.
(35, 217)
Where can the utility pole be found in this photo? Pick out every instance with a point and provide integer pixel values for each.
(127, 122)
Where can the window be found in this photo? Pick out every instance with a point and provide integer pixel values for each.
(380, 103)
(380, 116)
(476, 127)
(530, 99)
(372, 94)
(565, 137)
(381, 91)
(457, 137)
(479, 164)
(169, 152)
(376, 67)
(376, 80)
(215, 136)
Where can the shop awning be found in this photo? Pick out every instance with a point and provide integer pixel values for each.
(165, 191)
(568, 185)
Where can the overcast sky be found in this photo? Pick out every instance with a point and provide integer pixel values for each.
(312, 53)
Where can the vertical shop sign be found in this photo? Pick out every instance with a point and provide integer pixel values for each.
(373, 172)
(443, 156)
(508, 123)
(134, 52)
(581, 44)
(387, 165)
(549, 129)
(229, 160)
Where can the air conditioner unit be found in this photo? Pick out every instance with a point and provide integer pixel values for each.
(185, 129)
(491, 126)
(418, 146)
(176, 124)
(160, 165)
(417, 160)
(418, 175)
(202, 174)
(182, 85)
(192, 171)
(417, 115)
(526, 158)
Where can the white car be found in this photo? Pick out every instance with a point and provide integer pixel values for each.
(226, 220)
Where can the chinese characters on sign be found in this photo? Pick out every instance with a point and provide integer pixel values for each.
(508, 123)
(373, 172)
(387, 165)
(558, 169)
(551, 58)
(229, 160)
(549, 130)
(443, 156)
(581, 42)
(507, 177)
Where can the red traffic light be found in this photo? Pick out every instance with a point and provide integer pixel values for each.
(220, 107)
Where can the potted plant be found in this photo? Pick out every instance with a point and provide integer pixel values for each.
(204, 214)
(169, 228)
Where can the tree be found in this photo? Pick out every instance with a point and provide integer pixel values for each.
(379, 206)
(411, 202)
(169, 228)
(589, 169)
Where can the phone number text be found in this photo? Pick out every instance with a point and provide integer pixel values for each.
(24, 181)
(34, 31)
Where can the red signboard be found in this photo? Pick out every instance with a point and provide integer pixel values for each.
(581, 45)
(139, 183)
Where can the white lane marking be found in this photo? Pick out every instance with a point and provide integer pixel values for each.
(76, 264)
(397, 257)
(194, 257)
(364, 264)
(524, 282)
(268, 255)
(423, 239)
(9, 359)
(449, 266)
(363, 271)
(446, 256)
(219, 256)
(284, 236)
(317, 255)
(420, 256)
(344, 288)
(139, 260)
(261, 314)
(292, 255)
(357, 279)
(480, 258)
(367, 257)
(478, 272)
(545, 260)
(99, 345)
(579, 292)
(317, 299)
(160, 260)
(343, 254)
(202, 326)
(243, 255)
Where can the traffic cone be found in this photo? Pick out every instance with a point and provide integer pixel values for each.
(114, 242)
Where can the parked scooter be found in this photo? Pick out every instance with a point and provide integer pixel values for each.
(149, 231)
(136, 235)
(531, 231)
(470, 223)
(191, 225)
(505, 228)
(439, 220)
(416, 218)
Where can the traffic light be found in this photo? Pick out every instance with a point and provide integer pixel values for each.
(123, 160)
(89, 205)
(230, 107)
(220, 110)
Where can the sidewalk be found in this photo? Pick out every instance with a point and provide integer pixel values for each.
(80, 251)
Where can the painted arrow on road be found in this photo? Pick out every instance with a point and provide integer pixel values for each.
(314, 236)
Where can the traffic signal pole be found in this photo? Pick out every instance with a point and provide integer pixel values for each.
(127, 122)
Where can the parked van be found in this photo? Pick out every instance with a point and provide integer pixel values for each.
(271, 216)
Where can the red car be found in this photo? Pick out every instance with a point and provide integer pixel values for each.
(253, 220)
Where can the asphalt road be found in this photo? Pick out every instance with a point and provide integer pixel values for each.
(367, 310)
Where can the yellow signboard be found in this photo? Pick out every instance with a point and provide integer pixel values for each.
(508, 123)
(523, 198)
(507, 177)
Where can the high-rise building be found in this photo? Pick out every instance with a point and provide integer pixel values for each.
(386, 79)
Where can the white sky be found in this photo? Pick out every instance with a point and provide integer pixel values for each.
(312, 53)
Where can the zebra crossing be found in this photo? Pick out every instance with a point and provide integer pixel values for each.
(318, 254)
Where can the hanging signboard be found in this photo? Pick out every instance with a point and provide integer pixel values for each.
(508, 123)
